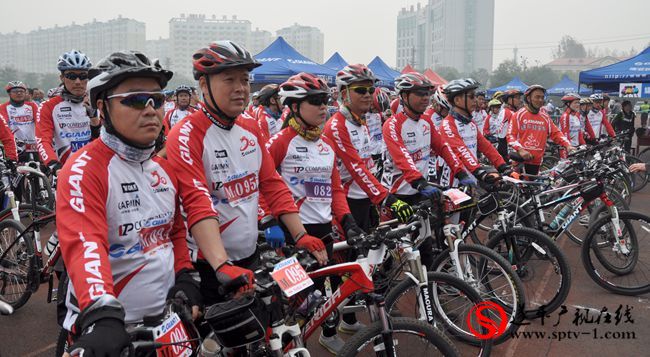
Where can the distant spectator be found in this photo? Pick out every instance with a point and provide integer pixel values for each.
(624, 121)
(37, 95)
(616, 107)
(644, 108)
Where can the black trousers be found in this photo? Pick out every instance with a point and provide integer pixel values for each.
(502, 148)
(364, 213)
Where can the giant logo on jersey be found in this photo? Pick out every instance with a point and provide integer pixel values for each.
(75, 178)
(248, 145)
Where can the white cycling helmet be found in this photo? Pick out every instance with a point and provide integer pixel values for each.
(596, 96)
(440, 98)
(73, 60)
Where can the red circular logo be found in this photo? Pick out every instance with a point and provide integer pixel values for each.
(489, 327)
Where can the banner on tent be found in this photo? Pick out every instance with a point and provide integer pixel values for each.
(630, 90)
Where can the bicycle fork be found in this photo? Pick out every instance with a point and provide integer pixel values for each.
(378, 313)
(452, 234)
(620, 244)
(421, 278)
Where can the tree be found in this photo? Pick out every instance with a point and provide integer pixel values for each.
(481, 75)
(448, 73)
(569, 48)
(540, 75)
(506, 71)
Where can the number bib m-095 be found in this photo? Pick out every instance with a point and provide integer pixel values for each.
(172, 331)
(241, 189)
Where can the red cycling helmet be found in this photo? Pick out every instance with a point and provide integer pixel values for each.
(570, 97)
(380, 100)
(219, 56)
(354, 73)
(300, 86)
(412, 81)
(533, 88)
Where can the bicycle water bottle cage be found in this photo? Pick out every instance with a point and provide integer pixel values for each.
(238, 322)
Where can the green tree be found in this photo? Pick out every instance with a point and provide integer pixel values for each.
(540, 75)
(448, 73)
(569, 47)
(505, 72)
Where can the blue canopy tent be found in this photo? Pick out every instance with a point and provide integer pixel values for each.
(631, 70)
(336, 62)
(567, 85)
(515, 83)
(383, 72)
(280, 61)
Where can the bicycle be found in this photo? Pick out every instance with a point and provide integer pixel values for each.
(21, 267)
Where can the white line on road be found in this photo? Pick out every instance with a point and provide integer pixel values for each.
(42, 350)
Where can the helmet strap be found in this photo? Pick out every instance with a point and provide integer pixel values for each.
(416, 114)
(216, 115)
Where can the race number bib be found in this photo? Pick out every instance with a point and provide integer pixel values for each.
(172, 333)
(318, 191)
(241, 190)
(291, 276)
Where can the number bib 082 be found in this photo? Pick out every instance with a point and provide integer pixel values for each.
(318, 191)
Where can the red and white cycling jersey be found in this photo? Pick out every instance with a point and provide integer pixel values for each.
(268, 124)
(7, 139)
(599, 123)
(309, 170)
(530, 131)
(175, 115)
(120, 230)
(21, 123)
(221, 174)
(352, 145)
(62, 127)
(410, 144)
(571, 127)
(479, 117)
(396, 106)
(466, 141)
(505, 117)
(492, 124)
(374, 123)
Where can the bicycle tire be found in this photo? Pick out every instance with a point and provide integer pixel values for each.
(600, 276)
(368, 335)
(24, 211)
(514, 309)
(62, 342)
(535, 244)
(27, 191)
(444, 283)
(638, 179)
(597, 208)
(28, 256)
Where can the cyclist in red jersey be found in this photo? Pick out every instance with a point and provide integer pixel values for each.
(21, 117)
(598, 118)
(491, 126)
(511, 103)
(348, 130)
(223, 166)
(570, 123)
(118, 215)
(269, 112)
(182, 108)
(530, 128)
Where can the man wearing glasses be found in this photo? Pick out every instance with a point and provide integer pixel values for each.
(20, 116)
(63, 124)
(118, 216)
(348, 131)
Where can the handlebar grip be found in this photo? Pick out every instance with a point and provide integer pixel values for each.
(232, 285)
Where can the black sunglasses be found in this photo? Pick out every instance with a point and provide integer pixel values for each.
(140, 100)
(422, 93)
(75, 76)
(361, 90)
(318, 100)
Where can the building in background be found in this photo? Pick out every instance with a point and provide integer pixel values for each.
(189, 33)
(260, 39)
(449, 33)
(307, 40)
(38, 50)
(159, 49)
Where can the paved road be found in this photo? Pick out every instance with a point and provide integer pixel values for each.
(32, 330)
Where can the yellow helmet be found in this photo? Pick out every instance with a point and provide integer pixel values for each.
(585, 101)
(497, 95)
(494, 102)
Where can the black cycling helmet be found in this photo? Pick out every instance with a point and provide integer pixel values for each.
(459, 86)
(118, 66)
(266, 93)
(183, 89)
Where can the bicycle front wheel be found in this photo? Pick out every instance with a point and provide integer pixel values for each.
(18, 263)
(492, 276)
(617, 262)
(541, 265)
(451, 301)
(410, 337)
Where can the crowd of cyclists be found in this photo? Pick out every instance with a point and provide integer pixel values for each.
(166, 196)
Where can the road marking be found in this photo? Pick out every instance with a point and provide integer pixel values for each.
(42, 350)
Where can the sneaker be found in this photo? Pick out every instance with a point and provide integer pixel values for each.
(350, 329)
(333, 344)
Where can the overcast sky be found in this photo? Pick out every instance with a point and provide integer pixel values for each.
(361, 29)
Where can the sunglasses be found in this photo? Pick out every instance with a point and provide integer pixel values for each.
(75, 76)
(17, 90)
(318, 100)
(140, 100)
(363, 90)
